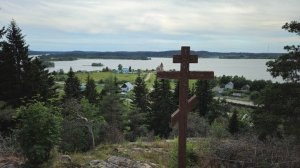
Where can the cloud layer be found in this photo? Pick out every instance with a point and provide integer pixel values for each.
(223, 25)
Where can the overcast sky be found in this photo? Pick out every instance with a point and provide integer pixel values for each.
(153, 25)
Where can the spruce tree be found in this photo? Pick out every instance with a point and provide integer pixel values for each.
(72, 86)
(90, 91)
(20, 76)
(233, 126)
(204, 96)
(141, 95)
(176, 94)
(161, 108)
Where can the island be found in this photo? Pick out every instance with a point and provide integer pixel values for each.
(97, 64)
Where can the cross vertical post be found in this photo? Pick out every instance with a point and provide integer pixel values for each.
(185, 104)
(183, 96)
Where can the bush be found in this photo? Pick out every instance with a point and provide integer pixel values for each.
(74, 137)
(40, 131)
(191, 156)
(196, 126)
(218, 128)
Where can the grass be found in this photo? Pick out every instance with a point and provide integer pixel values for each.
(97, 76)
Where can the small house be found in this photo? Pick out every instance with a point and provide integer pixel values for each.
(245, 88)
(126, 87)
(229, 85)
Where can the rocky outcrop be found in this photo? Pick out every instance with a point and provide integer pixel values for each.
(119, 162)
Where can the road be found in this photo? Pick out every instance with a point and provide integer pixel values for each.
(148, 77)
(238, 102)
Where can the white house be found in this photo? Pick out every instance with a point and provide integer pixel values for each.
(229, 85)
(126, 87)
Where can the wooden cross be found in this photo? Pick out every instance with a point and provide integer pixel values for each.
(185, 105)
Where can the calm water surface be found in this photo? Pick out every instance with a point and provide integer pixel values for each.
(249, 68)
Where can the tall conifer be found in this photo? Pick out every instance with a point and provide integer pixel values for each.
(72, 86)
(90, 91)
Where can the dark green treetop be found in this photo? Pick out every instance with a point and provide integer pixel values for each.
(72, 86)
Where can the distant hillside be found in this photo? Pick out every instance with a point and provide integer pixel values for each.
(143, 55)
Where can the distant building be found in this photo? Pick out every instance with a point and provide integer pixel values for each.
(126, 87)
(245, 88)
(160, 67)
(229, 85)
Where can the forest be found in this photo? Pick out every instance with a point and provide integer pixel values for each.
(143, 55)
(38, 123)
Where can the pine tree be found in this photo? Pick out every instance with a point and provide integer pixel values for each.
(161, 108)
(90, 91)
(141, 95)
(72, 86)
(204, 96)
(233, 126)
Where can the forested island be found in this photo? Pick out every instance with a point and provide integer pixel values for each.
(144, 55)
(97, 64)
(91, 119)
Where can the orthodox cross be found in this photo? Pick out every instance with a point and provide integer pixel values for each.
(185, 104)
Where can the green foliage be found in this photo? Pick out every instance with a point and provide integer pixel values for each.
(204, 95)
(120, 67)
(161, 108)
(254, 96)
(136, 122)
(74, 137)
(81, 126)
(196, 126)
(7, 121)
(224, 80)
(239, 82)
(72, 86)
(279, 110)
(258, 85)
(97, 64)
(233, 126)
(278, 114)
(176, 94)
(141, 95)
(191, 155)
(90, 91)
(20, 76)
(40, 131)
(218, 128)
(288, 65)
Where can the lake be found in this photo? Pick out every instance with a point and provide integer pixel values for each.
(249, 68)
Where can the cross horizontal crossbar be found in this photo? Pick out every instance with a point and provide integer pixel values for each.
(204, 75)
(191, 104)
(178, 59)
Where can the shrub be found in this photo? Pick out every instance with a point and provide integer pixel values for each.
(218, 128)
(197, 126)
(40, 131)
(191, 156)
